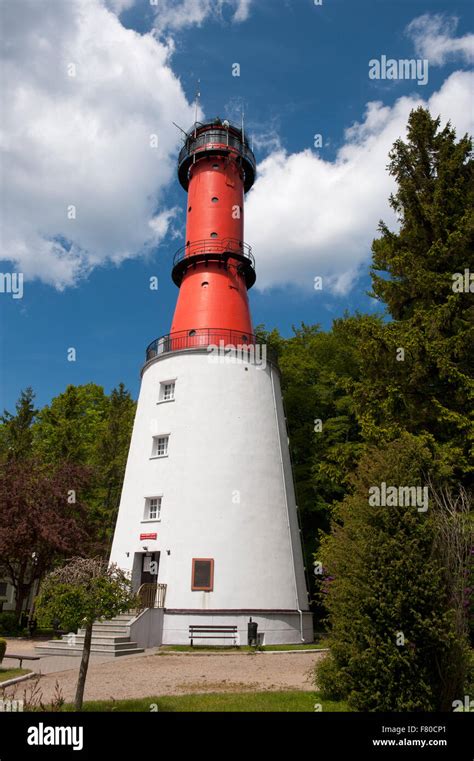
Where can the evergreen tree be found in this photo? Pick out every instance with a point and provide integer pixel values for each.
(395, 640)
(16, 433)
(109, 459)
(68, 428)
(417, 367)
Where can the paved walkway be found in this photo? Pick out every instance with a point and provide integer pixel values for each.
(152, 674)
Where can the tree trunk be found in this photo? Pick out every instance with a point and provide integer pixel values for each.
(22, 590)
(19, 598)
(81, 682)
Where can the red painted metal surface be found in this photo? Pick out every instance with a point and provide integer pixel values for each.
(213, 288)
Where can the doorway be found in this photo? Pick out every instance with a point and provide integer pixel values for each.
(149, 568)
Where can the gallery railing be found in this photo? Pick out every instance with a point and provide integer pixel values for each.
(194, 339)
(225, 252)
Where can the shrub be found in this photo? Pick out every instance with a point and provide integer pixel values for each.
(398, 639)
(469, 683)
(330, 680)
(3, 647)
(9, 626)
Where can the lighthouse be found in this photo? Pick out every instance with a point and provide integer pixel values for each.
(207, 525)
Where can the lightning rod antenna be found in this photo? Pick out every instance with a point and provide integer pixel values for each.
(196, 104)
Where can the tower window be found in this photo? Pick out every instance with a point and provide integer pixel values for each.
(213, 235)
(153, 508)
(160, 446)
(204, 284)
(202, 578)
(167, 391)
(189, 208)
(192, 332)
(214, 199)
(215, 166)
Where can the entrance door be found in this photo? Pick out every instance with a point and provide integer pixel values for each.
(150, 564)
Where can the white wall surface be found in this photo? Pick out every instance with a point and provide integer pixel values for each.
(226, 486)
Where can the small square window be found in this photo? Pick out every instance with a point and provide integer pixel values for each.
(167, 391)
(160, 446)
(3, 588)
(153, 508)
(202, 575)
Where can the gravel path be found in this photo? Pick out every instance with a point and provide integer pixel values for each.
(146, 675)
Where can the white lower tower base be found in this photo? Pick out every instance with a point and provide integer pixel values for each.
(226, 493)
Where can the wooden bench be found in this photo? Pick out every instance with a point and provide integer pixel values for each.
(212, 632)
(22, 658)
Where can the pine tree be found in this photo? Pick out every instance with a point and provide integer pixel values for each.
(398, 633)
(417, 368)
(396, 640)
(16, 433)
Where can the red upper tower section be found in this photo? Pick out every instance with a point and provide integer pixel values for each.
(215, 268)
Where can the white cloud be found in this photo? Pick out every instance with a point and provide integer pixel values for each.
(242, 10)
(434, 38)
(84, 140)
(307, 217)
(118, 6)
(173, 15)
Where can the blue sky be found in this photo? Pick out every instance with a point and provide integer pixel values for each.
(304, 71)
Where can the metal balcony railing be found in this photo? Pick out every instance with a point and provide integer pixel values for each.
(243, 345)
(226, 246)
(213, 139)
(196, 339)
(223, 251)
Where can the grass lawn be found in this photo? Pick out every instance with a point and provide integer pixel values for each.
(312, 646)
(11, 673)
(254, 702)
(237, 648)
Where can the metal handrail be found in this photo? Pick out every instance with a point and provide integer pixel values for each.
(151, 596)
(198, 338)
(216, 138)
(216, 124)
(215, 246)
(206, 134)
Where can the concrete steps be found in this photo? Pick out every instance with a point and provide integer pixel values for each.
(108, 638)
(53, 647)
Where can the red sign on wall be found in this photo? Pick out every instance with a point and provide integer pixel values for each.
(148, 536)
